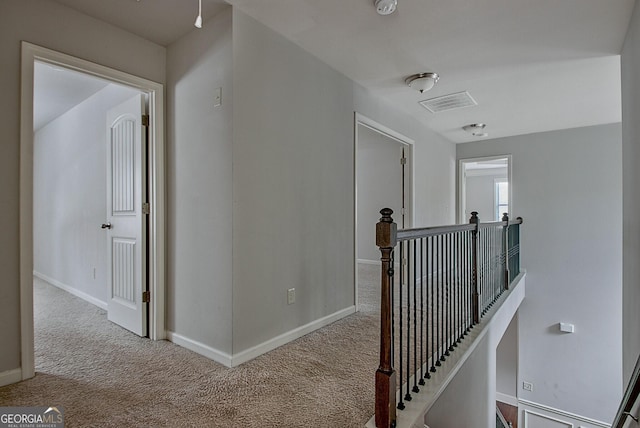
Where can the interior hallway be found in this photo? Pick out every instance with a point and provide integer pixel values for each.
(102, 375)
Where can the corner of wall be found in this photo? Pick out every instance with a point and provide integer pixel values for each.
(630, 68)
(199, 189)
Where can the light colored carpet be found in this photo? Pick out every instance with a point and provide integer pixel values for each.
(104, 376)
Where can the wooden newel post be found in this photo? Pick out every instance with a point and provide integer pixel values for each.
(474, 267)
(386, 235)
(505, 249)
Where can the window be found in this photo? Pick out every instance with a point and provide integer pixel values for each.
(502, 198)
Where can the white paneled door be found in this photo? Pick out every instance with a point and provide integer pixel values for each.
(126, 220)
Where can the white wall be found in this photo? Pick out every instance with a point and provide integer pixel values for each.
(507, 364)
(568, 187)
(199, 174)
(468, 401)
(434, 159)
(69, 200)
(293, 183)
(379, 185)
(631, 192)
(293, 186)
(51, 25)
(292, 199)
(480, 193)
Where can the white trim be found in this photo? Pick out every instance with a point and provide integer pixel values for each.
(255, 351)
(527, 412)
(563, 413)
(371, 124)
(69, 289)
(155, 91)
(271, 344)
(498, 172)
(381, 129)
(461, 188)
(200, 348)
(26, 214)
(10, 376)
(507, 399)
(369, 262)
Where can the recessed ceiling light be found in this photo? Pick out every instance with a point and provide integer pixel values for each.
(386, 7)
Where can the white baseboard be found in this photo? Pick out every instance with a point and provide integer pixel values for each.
(271, 344)
(200, 348)
(369, 262)
(10, 376)
(508, 399)
(69, 289)
(561, 417)
(255, 351)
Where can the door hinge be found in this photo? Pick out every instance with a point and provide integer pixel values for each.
(145, 120)
(403, 161)
(404, 211)
(146, 208)
(146, 296)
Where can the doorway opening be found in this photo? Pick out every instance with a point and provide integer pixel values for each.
(507, 375)
(484, 186)
(40, 208)
(384, 179)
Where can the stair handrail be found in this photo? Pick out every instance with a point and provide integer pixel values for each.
(630, 397)
(387, 238)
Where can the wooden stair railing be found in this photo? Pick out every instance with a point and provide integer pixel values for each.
(436, 284)
(386, 240)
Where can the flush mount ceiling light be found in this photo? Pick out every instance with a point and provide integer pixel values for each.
(422, 81)
(386, 7)
(476, 129)
(198, 22)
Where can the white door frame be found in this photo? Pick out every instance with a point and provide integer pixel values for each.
(156, 178)
(408, 143)
(462, 191)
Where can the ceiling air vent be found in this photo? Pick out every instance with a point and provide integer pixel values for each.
(449, 102)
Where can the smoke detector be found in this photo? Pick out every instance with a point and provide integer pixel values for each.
(386, 7)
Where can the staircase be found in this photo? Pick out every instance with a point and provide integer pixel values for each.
(444, 291)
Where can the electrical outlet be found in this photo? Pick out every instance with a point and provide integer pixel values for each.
(527, 386)
(291, 296)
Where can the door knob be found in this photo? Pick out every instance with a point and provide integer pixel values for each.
(106, 226)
